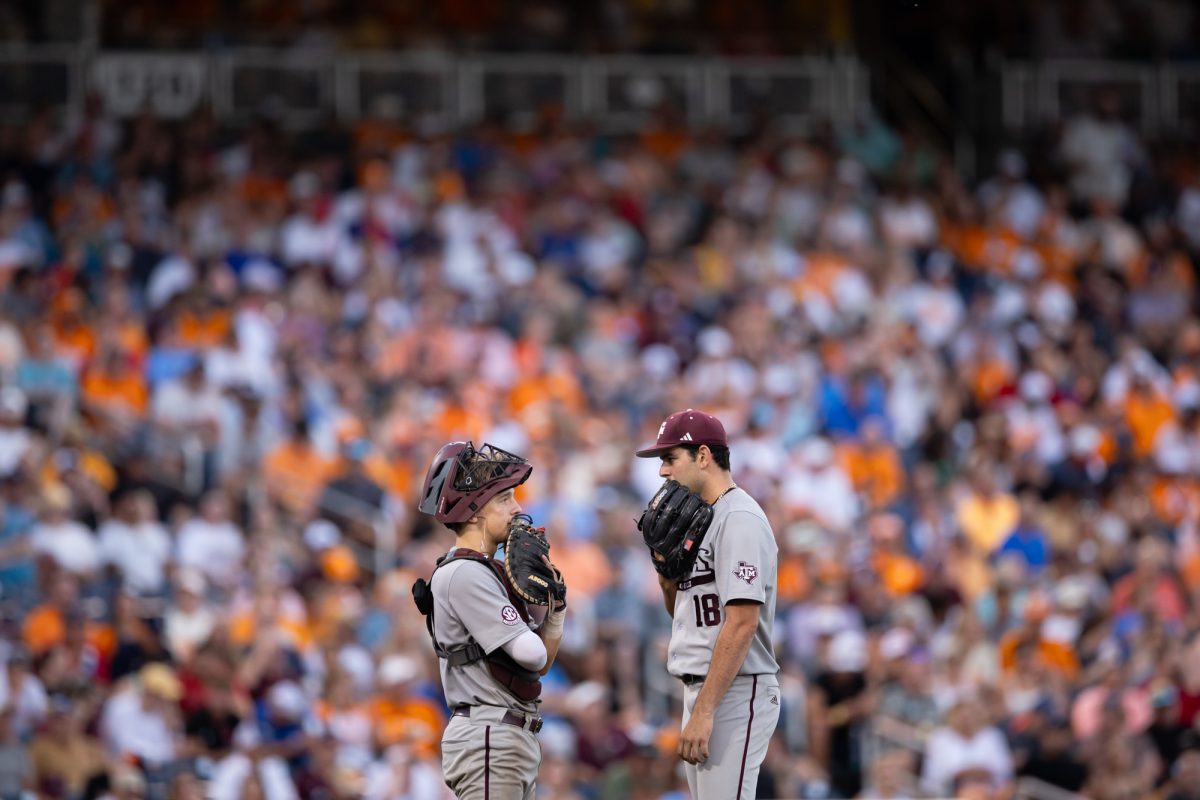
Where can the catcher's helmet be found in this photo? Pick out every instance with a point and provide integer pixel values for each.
(461, 479)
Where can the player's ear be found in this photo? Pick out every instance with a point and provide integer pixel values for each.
(703, 456)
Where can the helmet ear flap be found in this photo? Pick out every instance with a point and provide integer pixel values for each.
(435, 499)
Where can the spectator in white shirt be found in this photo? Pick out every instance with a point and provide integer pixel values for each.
(1101, 151)
(818, 487)
(22, 693)
(1187, 212)
(311, 234)
(189, 407)
(967, 742)
(234, 366)
(143, 719)
(189, 621)
(935, 307)
(211, 543)
(69, 544)
(15, 438)
(1010, 198)
(135, 543)
(907, 220)
(846, 226)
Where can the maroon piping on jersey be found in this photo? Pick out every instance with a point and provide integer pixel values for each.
(749, 725)
(487, 762)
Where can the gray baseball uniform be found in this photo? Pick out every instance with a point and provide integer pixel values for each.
(737, 561)
(482, 756)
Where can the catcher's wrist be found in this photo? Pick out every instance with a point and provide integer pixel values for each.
(552, 628)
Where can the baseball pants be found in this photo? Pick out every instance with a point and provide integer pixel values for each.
(742, 728)
(486, 759)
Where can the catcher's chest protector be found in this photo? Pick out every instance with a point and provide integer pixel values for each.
(522, 683)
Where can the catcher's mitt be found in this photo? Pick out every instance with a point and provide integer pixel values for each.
(527, 562)
(673, 525)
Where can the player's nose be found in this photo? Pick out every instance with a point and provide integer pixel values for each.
(664, 471)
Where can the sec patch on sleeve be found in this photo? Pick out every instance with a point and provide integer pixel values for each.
(510, 615)
(746, 572)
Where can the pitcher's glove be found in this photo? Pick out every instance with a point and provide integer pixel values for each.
(527, 562)
(673, 526)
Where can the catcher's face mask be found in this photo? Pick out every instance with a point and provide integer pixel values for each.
(461, 479)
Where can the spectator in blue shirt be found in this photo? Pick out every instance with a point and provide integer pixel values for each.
(846, 403)
(1028, 540)
(18, 569)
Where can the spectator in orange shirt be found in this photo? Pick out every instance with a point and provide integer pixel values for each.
(899, 572)
(74, 338)
(120, 325)
(295, 472)
(665, 137)
(988, 515)
(46, 625)
(581, 561)
(391, 468)
(203, 323)
(873, 465)
(115, 391)
(1146, 411)
(401, 714)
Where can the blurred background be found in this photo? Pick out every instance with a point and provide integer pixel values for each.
(931, 262)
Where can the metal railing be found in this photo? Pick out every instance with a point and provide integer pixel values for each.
(1034, 789)
(1157, 98)
(884, 734)
(32, 78)
(378, 556)
(302, 87)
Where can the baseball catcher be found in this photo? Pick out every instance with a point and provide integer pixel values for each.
(491, 650)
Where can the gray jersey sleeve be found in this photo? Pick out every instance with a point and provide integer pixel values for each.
(482, 606)
(744, 552)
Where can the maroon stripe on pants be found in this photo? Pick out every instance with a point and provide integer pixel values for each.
(487, 761)
(749, 725)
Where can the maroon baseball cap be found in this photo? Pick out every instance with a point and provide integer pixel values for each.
(686, 427)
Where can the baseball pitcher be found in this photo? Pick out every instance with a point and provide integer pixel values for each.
(717, 562)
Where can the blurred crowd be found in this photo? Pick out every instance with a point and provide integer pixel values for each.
(1124, 29)
(972, 413)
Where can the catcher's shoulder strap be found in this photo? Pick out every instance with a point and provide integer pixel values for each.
(514, 675)
(497, 569)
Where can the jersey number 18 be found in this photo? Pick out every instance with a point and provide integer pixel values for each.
(708, 610)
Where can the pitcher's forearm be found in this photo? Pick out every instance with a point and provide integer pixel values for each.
(669, 589)
(733, 642)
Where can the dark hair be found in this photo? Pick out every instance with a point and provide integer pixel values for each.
(720, 453)
(455, 527)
